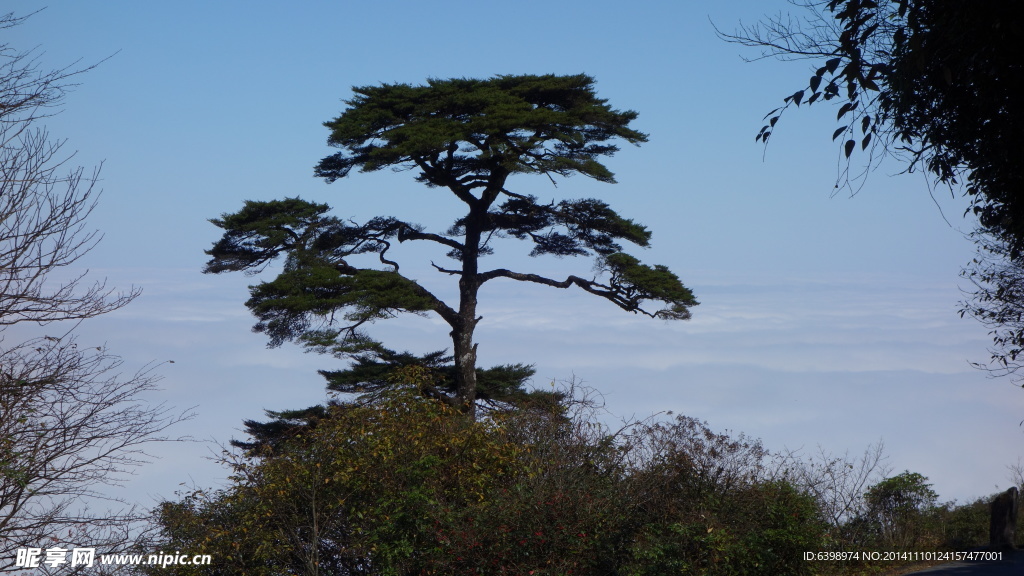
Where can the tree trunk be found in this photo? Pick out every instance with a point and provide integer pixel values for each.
(465, 354)
(469, 285)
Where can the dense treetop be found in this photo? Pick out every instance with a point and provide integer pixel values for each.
(468, 133)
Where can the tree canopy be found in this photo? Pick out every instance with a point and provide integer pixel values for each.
(937, 84)
(467, 136)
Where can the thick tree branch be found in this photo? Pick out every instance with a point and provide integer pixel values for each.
(610, 293)
(407, 232)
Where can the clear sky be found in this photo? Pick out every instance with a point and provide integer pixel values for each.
(824, 320)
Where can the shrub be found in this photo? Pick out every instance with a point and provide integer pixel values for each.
(711, 506)
(407, 485)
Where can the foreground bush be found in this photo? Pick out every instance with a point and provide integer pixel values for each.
(711, 505)
(407, 485)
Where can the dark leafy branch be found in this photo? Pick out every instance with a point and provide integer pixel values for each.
(937, 84)
(853, 42)
(630, 284)
(569, 228)
(317, 280)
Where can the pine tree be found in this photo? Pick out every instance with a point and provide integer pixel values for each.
(468, 136)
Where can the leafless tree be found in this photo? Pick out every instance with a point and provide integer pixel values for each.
(838, 483)
(44, 204)
(1016, 475)
(70, 422)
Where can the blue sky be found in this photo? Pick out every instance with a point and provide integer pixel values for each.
(824, 320)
